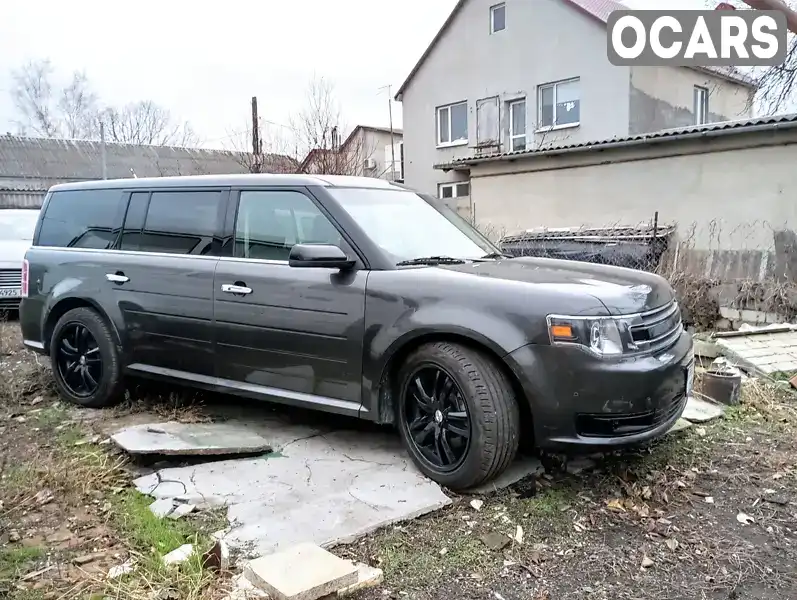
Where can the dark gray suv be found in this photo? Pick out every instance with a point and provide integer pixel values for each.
(353, 296)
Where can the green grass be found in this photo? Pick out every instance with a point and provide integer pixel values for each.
(151, 538)
(50, 417)
(146, 532)
(14, 560)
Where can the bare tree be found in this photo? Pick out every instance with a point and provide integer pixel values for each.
(146, 123)
(777, 86)
(74, 111)
(319, 128)
(274, 155)
(45, 111)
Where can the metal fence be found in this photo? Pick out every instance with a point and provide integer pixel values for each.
(641, 247)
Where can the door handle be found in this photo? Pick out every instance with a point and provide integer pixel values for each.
(235, 289)
(117, 277)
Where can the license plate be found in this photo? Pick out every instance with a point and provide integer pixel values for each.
(690, 378)
(10, 292)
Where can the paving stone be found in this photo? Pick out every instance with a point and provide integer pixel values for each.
(181, 439)
(162, 508)
(522, 467)
(301, 572)
(680, 425)
(701, 411)
(367, 577)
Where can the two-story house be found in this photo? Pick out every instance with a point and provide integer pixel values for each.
(514, 75)
(367, 151)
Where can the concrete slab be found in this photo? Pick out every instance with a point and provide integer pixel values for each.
(301, 572)
(367, 577)
(701, 411)
(174, 438)
(524, 466)
(324, 488)
(680, 425)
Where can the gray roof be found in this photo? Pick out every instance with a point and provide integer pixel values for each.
(773, 123)
(40, 161)
(596, 9)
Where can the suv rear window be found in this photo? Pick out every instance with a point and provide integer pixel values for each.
(81, 219)
(184, 222)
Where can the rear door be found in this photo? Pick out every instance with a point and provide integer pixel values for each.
(162, 278)
(294, 334)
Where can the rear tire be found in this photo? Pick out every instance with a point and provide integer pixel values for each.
(430, 415)
(85, 360)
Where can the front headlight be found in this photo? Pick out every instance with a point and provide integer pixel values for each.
(600, 336)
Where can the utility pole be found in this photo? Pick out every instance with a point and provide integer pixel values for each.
(102, 151)
(256, 143)
(392, 135)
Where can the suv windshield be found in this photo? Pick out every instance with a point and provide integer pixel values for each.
(407, 227)
(17, 224)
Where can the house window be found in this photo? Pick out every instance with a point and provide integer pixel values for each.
(453, 190)
(497, 18)
(701, 105)
(452, 124)
(517, 125)
(560, 104)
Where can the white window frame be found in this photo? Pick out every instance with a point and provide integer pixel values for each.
(451, 142)
(453, 185)
(512, 136)
(701, 96)
(492, 17)
(554, 85)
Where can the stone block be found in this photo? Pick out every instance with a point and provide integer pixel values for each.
(301, 572)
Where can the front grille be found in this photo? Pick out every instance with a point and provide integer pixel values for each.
(597, 425)
(10, 278)
(657, 329)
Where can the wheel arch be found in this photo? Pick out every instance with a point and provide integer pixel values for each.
(63, 306)
(388, 383)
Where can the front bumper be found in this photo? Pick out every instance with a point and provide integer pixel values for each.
(578, 400)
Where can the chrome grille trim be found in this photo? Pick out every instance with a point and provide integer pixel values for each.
(10, 278)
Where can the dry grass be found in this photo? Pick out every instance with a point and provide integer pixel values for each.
(65, 494)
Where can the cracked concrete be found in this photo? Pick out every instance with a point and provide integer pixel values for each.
(318, 486)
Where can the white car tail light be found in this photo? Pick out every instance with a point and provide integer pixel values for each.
(25, 277)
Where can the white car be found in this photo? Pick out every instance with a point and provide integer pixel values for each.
(16, 236)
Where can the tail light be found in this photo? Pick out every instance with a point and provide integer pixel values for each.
(25, 277)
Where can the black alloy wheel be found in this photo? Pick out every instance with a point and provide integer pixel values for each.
(437, 418)
(79, 360)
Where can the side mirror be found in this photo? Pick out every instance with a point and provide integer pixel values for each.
(319, 256)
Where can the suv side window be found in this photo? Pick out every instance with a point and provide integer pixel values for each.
(269, 223)
(182, 222)
(81, 219)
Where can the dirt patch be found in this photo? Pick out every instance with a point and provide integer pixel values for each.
(68, 515)
(707, 513)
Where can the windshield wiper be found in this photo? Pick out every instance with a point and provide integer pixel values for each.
(496, 255)
(431, 260)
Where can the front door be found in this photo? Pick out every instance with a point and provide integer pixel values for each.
(290, 334)
(162, 279)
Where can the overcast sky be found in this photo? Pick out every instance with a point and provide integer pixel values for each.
(205, 61)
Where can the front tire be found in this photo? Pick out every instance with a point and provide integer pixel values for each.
(85, 360)
(457, 415)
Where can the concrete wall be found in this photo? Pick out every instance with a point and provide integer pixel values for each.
(662, 98)
(730, 193)
(469, 63)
